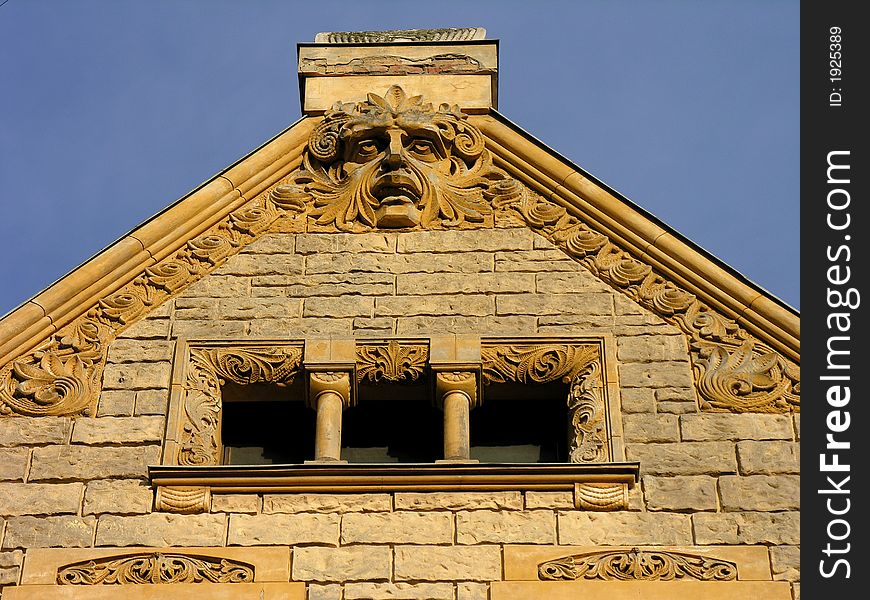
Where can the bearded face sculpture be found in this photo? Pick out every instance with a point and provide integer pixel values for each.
(395, 162)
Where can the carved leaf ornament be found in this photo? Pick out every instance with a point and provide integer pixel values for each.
(155, 568)
(637, 565)
(397, 162)
(393, 362)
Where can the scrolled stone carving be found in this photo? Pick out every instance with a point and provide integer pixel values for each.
(208, 369)
(393, 362)
(587, 413)
(535, 363)
(601, 497)
(395, 161)
(182, 500)
(733, 370)
(150, 568)
(637, 565)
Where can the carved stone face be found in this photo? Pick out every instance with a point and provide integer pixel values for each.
(395, 162)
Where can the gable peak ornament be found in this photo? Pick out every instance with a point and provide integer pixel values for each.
(397, 162)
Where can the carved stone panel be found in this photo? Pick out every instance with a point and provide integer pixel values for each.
(155, 568)
(638, 565)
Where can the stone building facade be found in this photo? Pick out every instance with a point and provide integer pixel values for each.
(386, 251)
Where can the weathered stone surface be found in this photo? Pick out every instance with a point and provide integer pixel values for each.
(136, 376)
(398, 591)
(785, 562)
(692, 493)
(10, 565)
(116, 403)
(621, 528)
(314, 243)
(390, 263)
(563, 500)
(272, 243)
(259, 530)
(638, 400)
(651, 428)
(146, 329)
(768, 458)
(250, 309)
(329, 591)
(118, 430)
(656, 375)
(13, 463)
(472, 591)
(22, 431)
(78, 463)
(534, 261)
(585, 303)
(453, 324)
(676, 408)
(401, 306)
(326, 503)
(151, 402)
(162, 529)
(579, 280)
(235, 503)
(760, 492)
(528, 527)
(49, 532)
(351, 563)
(797, 426)
(487, 240)
(126, 351)
(297, 286)
(190, 309)
(465, 283)
(651, 348)
(253, 264)
(208, 328)
(747, 528)
(398, 528)
(40, 498)
(458, 500)
(440, 563)
(750, 426)
(684, 458)
(216, 286)
(117, 496)
(342, 306)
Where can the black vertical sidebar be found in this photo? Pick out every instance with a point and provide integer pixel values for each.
(834, 300)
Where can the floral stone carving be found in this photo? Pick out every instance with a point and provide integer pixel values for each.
(638, 565)
(208, 369)
(155, 568)
(733, 370)
(393, 362)
(398, 162)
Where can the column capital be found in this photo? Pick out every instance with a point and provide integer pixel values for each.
(338, 382)
(463, 382)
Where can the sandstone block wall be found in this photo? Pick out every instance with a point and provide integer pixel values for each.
(707, 478)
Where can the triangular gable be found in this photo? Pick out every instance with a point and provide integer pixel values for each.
(744, 342)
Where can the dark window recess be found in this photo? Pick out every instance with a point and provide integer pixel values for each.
(266, 426)
(521, 424)
(393, 423)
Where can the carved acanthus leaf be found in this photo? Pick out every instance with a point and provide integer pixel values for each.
(586, 410)
(393, 362)
(733, 370)
(637, 565)
(155, 568)
(278, 365)
(535, 363)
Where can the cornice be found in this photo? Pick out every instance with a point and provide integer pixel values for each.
(556, 179)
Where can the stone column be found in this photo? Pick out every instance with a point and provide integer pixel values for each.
(331, 365)
(456, 394)
(329, 394)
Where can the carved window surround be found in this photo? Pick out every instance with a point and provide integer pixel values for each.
(459, 367)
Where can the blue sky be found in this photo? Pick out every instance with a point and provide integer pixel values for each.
(112, 109)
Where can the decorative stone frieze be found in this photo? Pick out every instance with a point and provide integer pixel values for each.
(155, 568)
(391, 362)
(637, 565)
(395, 161)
